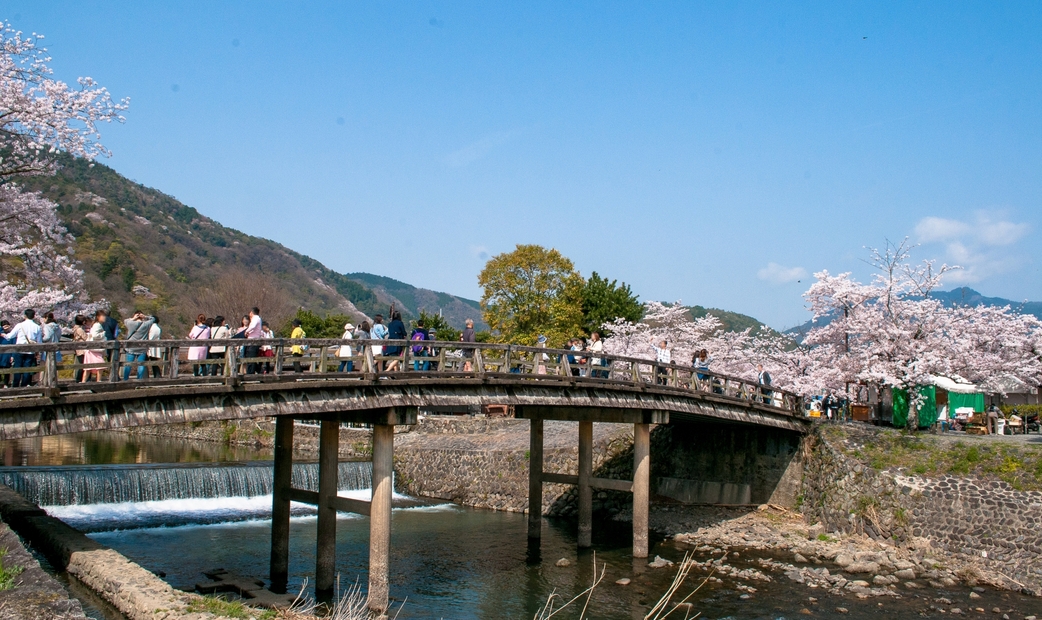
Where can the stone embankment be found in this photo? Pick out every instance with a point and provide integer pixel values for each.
(260, 434)
(135, 592)
(973, 520)
(32, 594)
(483, 462)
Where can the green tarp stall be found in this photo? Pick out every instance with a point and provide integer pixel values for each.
(960, 394)
(975, 400)
(927, 407)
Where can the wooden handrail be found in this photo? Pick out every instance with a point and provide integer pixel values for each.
(507, 360)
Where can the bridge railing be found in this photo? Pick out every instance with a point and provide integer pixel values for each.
(114, 365)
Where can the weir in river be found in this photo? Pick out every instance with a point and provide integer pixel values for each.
(112, 484)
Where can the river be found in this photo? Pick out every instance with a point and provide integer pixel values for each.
(179, 509)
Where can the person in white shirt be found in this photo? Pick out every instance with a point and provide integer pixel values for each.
(155, 354)
(597, 346)
(663, 356)
(254, 332)
(26, 332)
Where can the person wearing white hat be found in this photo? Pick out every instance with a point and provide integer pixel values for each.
(346, 364)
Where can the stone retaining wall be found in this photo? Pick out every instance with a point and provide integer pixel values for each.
(984, 519)
(260, 434)
(483, 462)
(134, 591)
(34, 594)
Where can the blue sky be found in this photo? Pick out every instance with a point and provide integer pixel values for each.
(717, 153)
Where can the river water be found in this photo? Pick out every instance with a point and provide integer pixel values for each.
(447, 561)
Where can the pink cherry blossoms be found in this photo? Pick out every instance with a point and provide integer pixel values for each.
(890, 333)
(40, 116)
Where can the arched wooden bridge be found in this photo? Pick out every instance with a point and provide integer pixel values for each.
(384, 391)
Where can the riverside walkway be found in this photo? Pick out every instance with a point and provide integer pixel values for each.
(384, 391)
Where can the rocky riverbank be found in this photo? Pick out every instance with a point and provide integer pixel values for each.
(974, 518)
(754, 546)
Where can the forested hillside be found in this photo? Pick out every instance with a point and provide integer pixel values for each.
(412, 299)
(140, 248)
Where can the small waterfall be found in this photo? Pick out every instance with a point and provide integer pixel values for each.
(113, 484)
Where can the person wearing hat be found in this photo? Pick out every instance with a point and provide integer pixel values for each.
(297, 350)
(346, 365)
(540, 368)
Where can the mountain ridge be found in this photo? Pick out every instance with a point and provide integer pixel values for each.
(140, 248)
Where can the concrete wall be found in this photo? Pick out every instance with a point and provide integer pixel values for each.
(986, 520)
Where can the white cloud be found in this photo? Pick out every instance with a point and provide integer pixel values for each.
(777, 274)
(980, 247)
(931, 229)
(478, 149)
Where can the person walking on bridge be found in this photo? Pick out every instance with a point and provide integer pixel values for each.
(254, 332)
(597, 346)
(201, 331)
(6, 359)
(664, 357)
(468, 335)
(138, 326)
(220, 331)
(26, 332)
(297, 350)
(763, 379)
(155, 354)
(395, 331)
(345, 352)
(418, 350)
(378, 332)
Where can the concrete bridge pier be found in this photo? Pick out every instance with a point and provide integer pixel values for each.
(640, 486)
(327, 501)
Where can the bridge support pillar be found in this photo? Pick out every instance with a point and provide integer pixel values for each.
(641, 488)
(283, 480)
(585, 491)
(328, 474)
(380, 517)
(535, 480)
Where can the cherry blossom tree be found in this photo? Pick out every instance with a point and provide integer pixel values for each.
(892, 333)
(39, 117)
(734, 352)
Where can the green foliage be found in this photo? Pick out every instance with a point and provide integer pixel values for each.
(732, 321)
(926, 455)
(531, 291)
(229, 609)
(315, 326)
(1022, 410)
(7, 575)
(604, 301)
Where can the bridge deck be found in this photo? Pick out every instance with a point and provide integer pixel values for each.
(541, 382)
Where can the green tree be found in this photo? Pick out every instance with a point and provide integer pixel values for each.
(315, 326)
(604, 301)
(531, 291)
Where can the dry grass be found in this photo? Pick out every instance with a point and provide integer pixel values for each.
(661, 610)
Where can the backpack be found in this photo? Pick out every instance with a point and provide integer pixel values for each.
(417, 335)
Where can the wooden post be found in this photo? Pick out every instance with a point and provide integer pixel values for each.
(641, 488)
(535, 479)
(114, 365)
(585, 492)
(174, 361)
(279, 350)
(283, 481)
(380, 517)
(328, 472)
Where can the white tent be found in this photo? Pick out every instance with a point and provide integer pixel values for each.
(959, 387)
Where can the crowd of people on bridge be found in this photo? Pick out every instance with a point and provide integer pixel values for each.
(585, 357)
